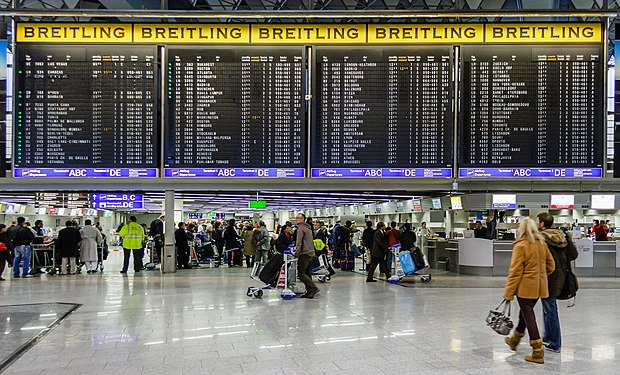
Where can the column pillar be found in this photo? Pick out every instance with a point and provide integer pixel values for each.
(169, 258)
(269, 219)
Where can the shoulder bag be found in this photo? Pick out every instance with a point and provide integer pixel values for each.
(498, 320)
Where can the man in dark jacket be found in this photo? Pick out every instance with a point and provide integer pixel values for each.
(180, 239)
(407, 238)
(368, 235)
(68, 247)
(563, 251)
(157, 232)
(22, 249)
(491, 227)
(304, 250)
(379, 251)
(479, 230)
(231, 240)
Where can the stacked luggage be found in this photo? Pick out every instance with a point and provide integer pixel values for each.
(410, 263)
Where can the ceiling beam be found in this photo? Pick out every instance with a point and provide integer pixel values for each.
(307, 14)
(413, 186)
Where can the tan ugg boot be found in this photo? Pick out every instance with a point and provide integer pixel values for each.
(538, 353)
(514, 340)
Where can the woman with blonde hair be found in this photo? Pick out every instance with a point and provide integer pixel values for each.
(531, 263)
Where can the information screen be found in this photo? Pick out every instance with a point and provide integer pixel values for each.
(531, 112)
(86, 111)
(236, 112)
(382, 112)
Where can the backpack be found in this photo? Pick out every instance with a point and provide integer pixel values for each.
(571, 285)
(257, 236)
(152, 230)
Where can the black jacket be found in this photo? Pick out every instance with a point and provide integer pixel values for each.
(230, 238)
(22, 236)
(407, 240)
(218, 237)
(380, 244)
(284, 242)
(157, 227)
(491, 232)
(368, 237)
(563, 251)
(345, 237)
(68, 242)
(180, 239)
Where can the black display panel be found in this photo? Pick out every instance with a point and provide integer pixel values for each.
(387, 108)
(531, 107)
(86, 111)
(236, 112)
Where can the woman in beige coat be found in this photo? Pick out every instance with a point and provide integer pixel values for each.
(249, 247)
(531, 263)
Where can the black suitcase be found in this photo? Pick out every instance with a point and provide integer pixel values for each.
(418, 258)
(269, 274)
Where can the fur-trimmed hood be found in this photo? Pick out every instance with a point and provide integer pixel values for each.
(555, 237)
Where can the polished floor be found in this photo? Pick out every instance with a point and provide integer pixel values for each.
(201, 322)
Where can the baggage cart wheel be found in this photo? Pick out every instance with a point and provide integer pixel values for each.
(249, 292)
(328, 278)
(426, 279)
(322, 279)
(52, 272)
(258, 294)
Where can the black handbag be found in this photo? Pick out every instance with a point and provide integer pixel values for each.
(571, 285)
(499, 321)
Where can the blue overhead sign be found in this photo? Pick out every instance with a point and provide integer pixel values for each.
(531, 172)
(116, 200)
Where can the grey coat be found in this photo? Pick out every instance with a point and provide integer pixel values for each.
(265, 239)
(91, 238)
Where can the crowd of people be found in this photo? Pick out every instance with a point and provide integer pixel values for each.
(73, 242)
(234, 242)
(539, 266)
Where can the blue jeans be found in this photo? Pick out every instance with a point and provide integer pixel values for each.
(552, 335)
(389, 259)
(22, 254)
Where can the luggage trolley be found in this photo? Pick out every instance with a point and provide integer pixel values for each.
(40, 261)
(152, 255)
(406, 266)
(322, 269)
(285, 280)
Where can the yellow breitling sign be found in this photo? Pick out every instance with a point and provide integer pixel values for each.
(544, 33)
(197, 33)
(425, 34)
(74, 33)
(311, 34)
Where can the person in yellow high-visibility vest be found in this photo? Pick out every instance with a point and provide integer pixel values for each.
(132, 235)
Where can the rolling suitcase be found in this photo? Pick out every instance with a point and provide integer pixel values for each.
(418, 258)
(269, 273)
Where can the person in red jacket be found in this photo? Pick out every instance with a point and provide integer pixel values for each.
(393, 236)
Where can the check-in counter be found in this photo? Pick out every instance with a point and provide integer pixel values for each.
(502, 255)
(475, 256)
(492, 258)
(437, 250)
